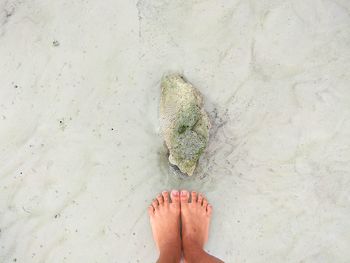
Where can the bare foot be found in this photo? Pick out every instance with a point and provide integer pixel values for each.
(195, 217)
(165, 222)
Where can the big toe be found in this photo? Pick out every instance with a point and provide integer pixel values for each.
(165, 197)
(175, 196)
(184, 197)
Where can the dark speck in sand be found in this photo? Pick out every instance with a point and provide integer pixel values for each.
(55, 43)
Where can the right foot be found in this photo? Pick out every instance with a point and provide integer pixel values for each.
(195, 217)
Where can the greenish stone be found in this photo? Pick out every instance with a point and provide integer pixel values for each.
(184, 123)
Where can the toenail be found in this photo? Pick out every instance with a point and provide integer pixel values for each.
(175, 192)
(184, 193)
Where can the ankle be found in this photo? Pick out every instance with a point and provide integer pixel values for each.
(170, 245)
(192, 251)
(191, 244)
(195, 253)
(170, 250)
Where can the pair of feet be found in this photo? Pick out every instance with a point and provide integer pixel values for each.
(180, 225)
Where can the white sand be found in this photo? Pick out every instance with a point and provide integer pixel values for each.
(81, 156)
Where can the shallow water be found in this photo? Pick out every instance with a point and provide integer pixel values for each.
(81, 155)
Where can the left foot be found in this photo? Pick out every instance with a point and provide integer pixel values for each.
(165, 220)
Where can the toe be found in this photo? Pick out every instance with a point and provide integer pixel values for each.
(160, 199)
(205, 202)
(165, 197)
(175, 198)
(193, 197)
(200, 198)
(155, 204)
(184, 196)
(150, 210)
(209, 209)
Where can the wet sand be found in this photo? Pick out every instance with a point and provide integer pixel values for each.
(81, 156)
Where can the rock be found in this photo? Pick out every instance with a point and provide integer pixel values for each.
(184, 123)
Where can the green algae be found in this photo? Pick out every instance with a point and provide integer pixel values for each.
(185, 123)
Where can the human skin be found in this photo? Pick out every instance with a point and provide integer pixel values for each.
(167, 213)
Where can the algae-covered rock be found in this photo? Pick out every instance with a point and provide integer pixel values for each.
(184, 123)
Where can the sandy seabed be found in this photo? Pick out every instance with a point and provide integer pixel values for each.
(80, 152)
